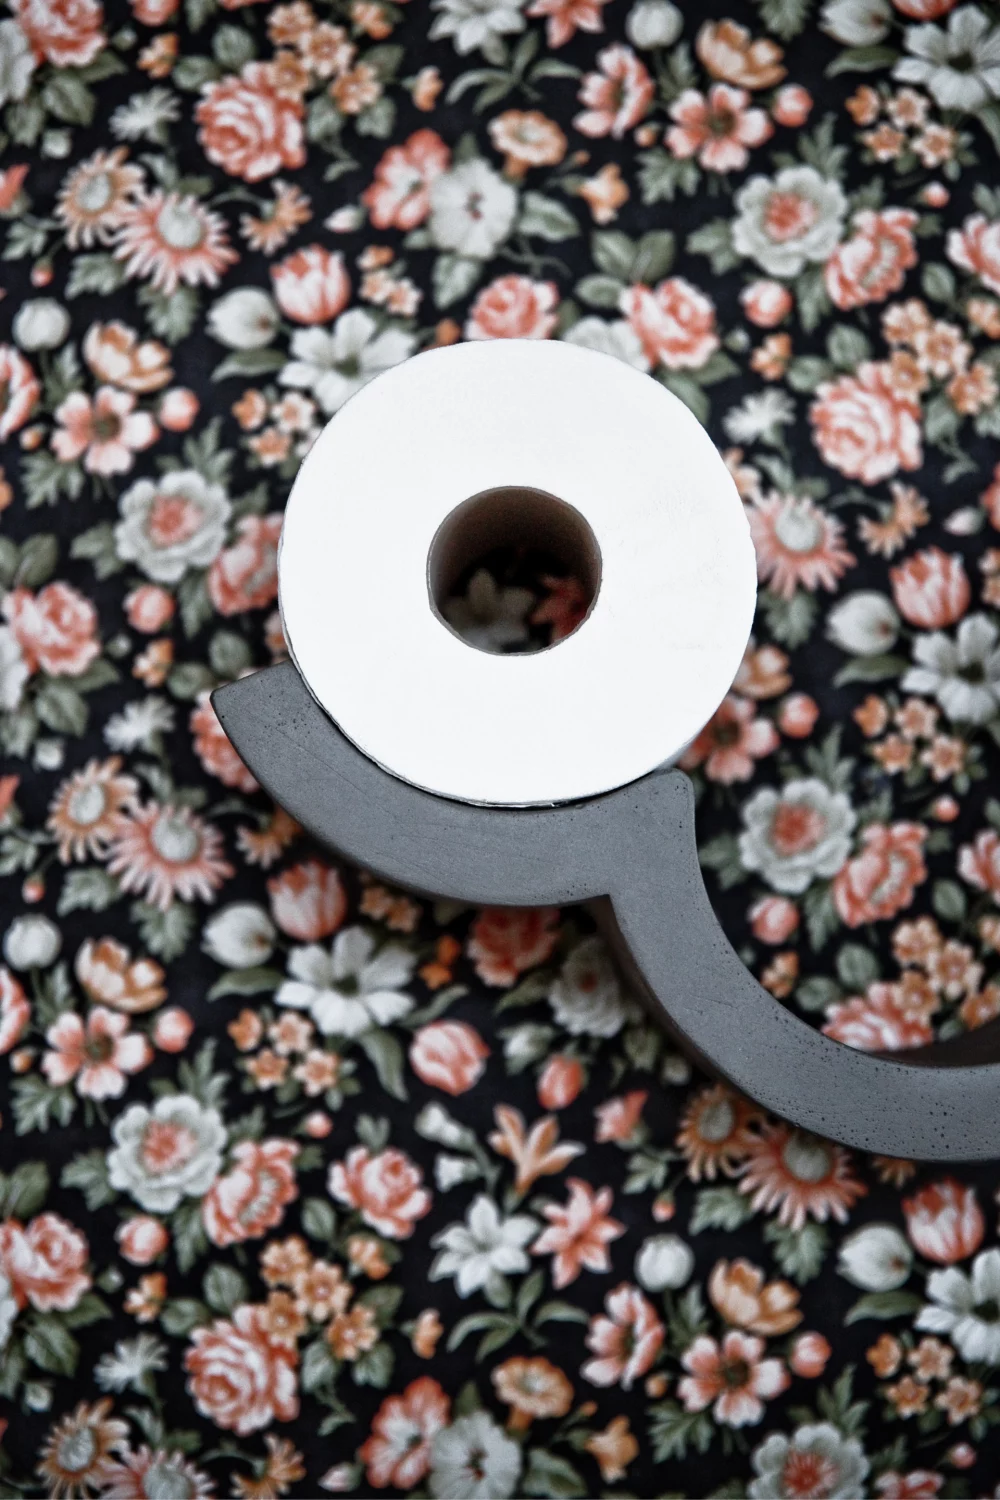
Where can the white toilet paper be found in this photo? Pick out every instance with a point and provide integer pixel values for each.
(650, 663)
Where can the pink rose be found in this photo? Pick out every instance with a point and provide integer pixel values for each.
(513, 307)
(307, 901)
(675, 322)
(240, 1377)
(56, 628)
(142, 1239)
(864, 428)
(944, 1222)
(387, 1188)
(448, 1055)
(311, 285)
(44, 1262)
(931, 589)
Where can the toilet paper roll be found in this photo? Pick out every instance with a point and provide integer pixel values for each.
(674, 571)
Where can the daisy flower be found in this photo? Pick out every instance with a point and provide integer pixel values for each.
(85, 812)
(94, 195)
(798, 545)
(799, 1175)
(172, 238)
(162, 852)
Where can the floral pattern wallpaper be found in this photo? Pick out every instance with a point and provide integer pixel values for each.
(309, 1186)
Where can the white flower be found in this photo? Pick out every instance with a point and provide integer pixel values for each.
(139, 725)
(960, 66)
(32, 942)
(474, 1459)
(487, 616)
(240, 935)
(49, 754)
(664, 1261)
(789, 220)
(963, 674)
(856, 23)
(840, 1460)
(759, 416)
(478, 25)
(13, 670)
(449, 1171)
(472, 210)
(8, 1310)
(17, 62)
(793, 836)
(586, 996)
(967, 1309)
(146, 116)
(244, 319)
(526, 1044)
(619, 339)
(41, 323)
(171, 524)
(130, 1362)
(434, 1123)
(653, 23)
(864, 623)
(349, 988)
(483, 1250)
(877, 1258)
(334, 366)
(166, 1153)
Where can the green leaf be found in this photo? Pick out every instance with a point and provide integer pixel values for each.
(319, 1219)
(722, 854)
(378, 119)
(24, 1191)
(233, 46)
(817, 992)
(870, 669)
(318, 1365)
(863, 60)
(229, 653)
(66, 96)
(224, 1288)
(720, 1208)
(45, 479)
(196, 606)
(811, 297)
(38, 560)
(546, 219)
(715, 240)
(98, 546)
(190, 678)
(188, 1232)
(386, 1056)
(171, 314)
(989, 118)
(847, 346)
(61, 708)
(789, 621)
(250, 363)
(941, 420)
(689, 391)
(90, 1309)
(808, 371)
(374, 1367)
(601, 291)
(98, 274)
(453, 277)
(182, 1314)
(799, 1252)
(164, 933)
(613, 253)
(654, 256)
(50, 1345)
(785, 18)
(897, 1304)
(89, 1174)
(34, 1102)
(191, 73)
(938, 282)
(857, 967)
(822, 919)
(662, 177)
(560, 1312)
(549, 1474)
(948, 901)
(246, 982)
(672, 1430)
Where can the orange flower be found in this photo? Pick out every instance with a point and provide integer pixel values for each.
(527, 138)
(427, 1329)
(532, 1388)
(799, 1175)
(727, 51)
(614, 1449)
(717, 1131)
(604, 193)
(738, 1292)
(110, 976)
(353, 1333)
(534, 1154)
(885, 1355)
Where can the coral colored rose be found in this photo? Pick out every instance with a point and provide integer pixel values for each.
(154, 12)
(617, 97)
(247, 128)
(513, 307)
(884, 1020)
(773, 919)
(931, 589)
(979, 863)
(15, 1010)
(250, 1198)
(56, 629)
(149, 607)
(792, 105)
(675, 323)
(766, 303)
(809, 1356)
(626, 1341)
(560, 1082)
(142, 1239)
(399, 197)
(239, 1377)
(214, 748)
(311, 285)
(976, 248)
(398, 1450)
(944, 1222)
(245, 576)
(178, 408)
(873, 263)
(173, 1029)
(387, 1188)
(863, 428)
(506, 940)
(20, 388)
(880, 880)
(797, 716)
(307, 901)
(66, 33)
(44, 1262)
(448, 1055)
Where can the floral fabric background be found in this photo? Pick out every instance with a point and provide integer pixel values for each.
(311, 1187)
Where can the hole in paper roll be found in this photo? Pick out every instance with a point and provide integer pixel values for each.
(513, 570)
